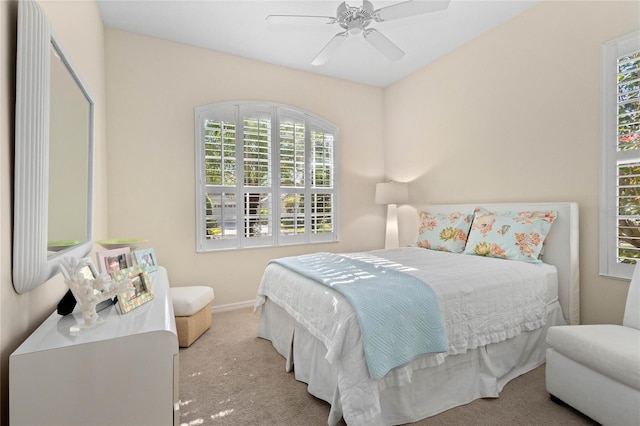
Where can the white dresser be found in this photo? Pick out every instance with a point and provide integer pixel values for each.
(124, 371)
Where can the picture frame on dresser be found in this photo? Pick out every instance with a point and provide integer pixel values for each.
(88, 271)
(140, 288)
(147, 258)
(112, 261)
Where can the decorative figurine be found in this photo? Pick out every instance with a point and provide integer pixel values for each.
(90, 291)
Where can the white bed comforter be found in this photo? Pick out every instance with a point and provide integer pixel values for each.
(482, 301)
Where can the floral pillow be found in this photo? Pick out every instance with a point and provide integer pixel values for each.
(443, 231)
(509, 235)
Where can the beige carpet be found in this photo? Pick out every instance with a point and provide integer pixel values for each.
(231, 377)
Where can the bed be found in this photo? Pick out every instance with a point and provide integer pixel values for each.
(318, 331)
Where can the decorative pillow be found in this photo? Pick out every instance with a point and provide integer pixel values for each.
(509, 235)
(443, 231)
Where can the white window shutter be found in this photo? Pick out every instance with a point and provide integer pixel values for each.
(620, 216)
(266, 175)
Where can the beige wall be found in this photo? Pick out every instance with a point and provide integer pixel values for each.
(153, 88)
(21, 314)
(515, 116)
(8, 14)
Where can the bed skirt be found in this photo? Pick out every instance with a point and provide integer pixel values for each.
(479, 373)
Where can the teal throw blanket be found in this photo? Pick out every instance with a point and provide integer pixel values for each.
(399, 314)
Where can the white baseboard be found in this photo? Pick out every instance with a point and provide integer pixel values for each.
(232, 306)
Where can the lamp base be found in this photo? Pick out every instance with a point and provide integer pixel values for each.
(391, 240)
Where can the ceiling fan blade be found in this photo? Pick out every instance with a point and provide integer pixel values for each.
(383, 44)
(329, 49)
(409, 8)
(278, 19)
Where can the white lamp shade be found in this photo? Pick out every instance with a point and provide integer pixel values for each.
(392, 193)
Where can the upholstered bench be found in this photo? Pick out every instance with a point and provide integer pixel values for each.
(192, 309)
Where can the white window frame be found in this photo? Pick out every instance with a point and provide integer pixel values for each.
(233, 111)
(611, 51)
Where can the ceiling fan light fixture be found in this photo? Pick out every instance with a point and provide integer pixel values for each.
(355, 28)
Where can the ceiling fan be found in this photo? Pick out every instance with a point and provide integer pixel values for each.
(355, 20)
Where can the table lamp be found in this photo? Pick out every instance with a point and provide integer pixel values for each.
(392, 194)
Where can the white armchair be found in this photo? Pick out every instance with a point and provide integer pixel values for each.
(596, 368)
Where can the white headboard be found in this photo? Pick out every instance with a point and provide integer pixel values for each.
(560, 249)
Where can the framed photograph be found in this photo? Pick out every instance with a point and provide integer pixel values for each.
(88, 270)
(111, 261)
(140, 288)
(147, 258)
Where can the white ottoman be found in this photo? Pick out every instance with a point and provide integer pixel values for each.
(596, 370)
(192, 309)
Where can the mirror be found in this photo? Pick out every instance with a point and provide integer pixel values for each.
(53, 155)
(69, 130)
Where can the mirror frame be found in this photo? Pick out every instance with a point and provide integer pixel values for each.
(32, 265)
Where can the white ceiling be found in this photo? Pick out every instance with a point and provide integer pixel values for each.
(239, 28)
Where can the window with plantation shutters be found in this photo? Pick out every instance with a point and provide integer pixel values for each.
(620, 217)
(265, 175)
